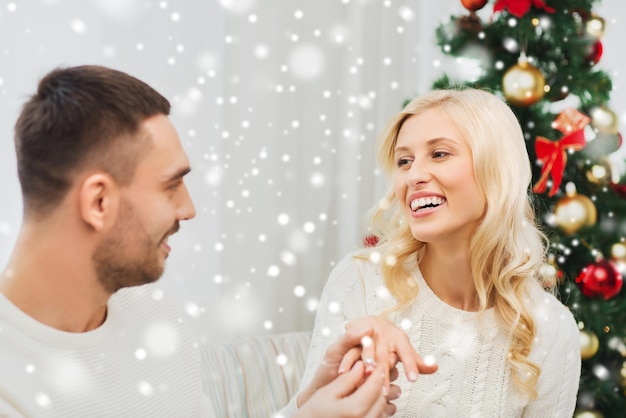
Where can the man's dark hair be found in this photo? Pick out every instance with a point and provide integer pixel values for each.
(85, 117)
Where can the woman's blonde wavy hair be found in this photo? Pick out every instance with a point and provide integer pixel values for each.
(507, 250)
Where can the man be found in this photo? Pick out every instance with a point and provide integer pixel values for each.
(101, 170)
(83, 331)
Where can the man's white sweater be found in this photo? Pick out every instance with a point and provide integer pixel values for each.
(141, 362)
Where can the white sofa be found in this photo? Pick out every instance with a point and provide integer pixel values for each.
(254, 377)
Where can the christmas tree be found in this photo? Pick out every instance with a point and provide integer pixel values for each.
(540, 56)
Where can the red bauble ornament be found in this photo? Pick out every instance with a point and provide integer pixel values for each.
(471, 23)
(473, 5)
(370, 241)
(595, 52)
(600, 279)
(620, 189)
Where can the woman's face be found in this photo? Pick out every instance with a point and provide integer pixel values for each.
(434, 180)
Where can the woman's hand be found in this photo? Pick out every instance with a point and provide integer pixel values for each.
(356, 371)
(388, 345)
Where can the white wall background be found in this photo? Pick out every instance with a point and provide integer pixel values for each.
(278, 104)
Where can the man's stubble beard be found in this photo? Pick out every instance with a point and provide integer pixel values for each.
(128, 256)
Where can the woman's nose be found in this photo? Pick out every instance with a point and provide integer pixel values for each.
(418, 173)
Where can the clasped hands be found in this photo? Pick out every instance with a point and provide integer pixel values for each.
(355, 376)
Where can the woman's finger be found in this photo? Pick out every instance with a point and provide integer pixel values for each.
(394, 393)
(390, 409)
(412, 362)
(393, 374)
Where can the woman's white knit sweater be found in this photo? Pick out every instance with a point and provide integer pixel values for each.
(474, 378)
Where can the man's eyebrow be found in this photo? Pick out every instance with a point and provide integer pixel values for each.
(180, 173)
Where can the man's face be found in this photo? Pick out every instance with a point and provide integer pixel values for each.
(134, 250)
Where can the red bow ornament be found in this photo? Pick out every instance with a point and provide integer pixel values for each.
(520, 7)
(553, 154)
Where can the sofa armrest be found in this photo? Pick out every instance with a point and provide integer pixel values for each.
(254, 377)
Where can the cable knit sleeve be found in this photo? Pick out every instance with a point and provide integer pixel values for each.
(557, 352)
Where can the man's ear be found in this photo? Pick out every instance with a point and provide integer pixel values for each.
(99, 200)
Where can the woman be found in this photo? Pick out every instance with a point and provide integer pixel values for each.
(457, 267)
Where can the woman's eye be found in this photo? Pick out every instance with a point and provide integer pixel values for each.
(440, 154)
(403, 161)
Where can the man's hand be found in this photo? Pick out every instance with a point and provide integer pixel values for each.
(349, 396)
(347, 346)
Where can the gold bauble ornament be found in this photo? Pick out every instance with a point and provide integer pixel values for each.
(574, 211)
(618, 252)
(618, 255)
(604, 137)
(588, 414)
(595, 26)
(604, 120)
(523, 84)
(589, 344)
(600, 172)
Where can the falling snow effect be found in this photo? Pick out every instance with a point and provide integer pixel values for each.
(278, 106)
